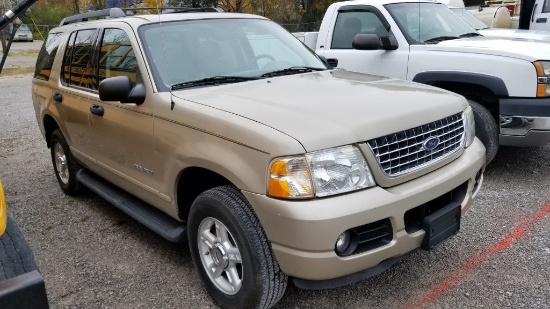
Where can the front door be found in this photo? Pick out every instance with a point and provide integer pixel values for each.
(391, 63)
(540, 19)
(122, 134)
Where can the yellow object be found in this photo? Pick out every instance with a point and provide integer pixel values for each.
(3, 210)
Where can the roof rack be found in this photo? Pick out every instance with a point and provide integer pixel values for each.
(167, 10)
(111, 13)
(118, 12)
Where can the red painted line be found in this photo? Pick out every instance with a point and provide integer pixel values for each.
(507, 240)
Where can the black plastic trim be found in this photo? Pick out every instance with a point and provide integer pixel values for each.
(495, 84)
(25, 291)
(352, 278)
(534, 107)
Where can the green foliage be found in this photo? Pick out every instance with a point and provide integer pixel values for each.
(46, 14)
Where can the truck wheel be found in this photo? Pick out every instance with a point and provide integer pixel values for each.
(15, 256)
(486, 130)
(64, 165)
(231, 252)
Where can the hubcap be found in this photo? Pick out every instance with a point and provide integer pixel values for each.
(61, 163)
(220, 256)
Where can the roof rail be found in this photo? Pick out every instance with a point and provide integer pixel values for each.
(111, 13)
(167, 10)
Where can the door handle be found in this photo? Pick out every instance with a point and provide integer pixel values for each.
(58, 97)
(541, 20)
(332, 62)
(97, 110)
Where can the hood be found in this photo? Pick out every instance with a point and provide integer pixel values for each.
(330, 108)
(528, 50)
(519, 35)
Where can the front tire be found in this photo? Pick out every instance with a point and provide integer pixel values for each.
(486, 130)
(64, 164)
(231, 252)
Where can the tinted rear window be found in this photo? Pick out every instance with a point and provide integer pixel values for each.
(46, 57)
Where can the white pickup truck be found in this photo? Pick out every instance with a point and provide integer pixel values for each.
(505, 81)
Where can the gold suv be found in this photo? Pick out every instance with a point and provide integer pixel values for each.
(226, 131)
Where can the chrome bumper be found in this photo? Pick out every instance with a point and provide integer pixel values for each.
(524, 131)
(524, 121)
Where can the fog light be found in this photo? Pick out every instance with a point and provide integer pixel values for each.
(343, 242)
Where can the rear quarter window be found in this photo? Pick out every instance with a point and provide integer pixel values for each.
(46, 56)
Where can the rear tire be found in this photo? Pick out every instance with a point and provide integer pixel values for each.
(64, 164)
(227, 242)
(486, 130)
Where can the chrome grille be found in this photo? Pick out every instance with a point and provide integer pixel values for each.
(404, 151)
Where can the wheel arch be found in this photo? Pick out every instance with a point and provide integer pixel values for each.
(50, 125)
(191, 182)
(482, 88)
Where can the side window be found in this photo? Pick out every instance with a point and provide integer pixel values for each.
(117, 57)
(349, 24)
(77, 64)
(546, 7)
(46, 57)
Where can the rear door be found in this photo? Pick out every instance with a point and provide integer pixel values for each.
(77, 84)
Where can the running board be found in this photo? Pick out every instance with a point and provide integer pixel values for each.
(144, 213)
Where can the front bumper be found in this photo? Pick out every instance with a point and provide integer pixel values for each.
(524, 121)
(303, 233)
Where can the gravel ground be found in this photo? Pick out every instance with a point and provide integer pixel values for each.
(93, 256)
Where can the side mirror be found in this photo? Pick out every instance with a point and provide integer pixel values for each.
(373, 42)
(120, 88)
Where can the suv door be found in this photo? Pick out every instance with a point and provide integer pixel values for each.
(78, 83)
(366, 20)
(540, 18)
(122, 134)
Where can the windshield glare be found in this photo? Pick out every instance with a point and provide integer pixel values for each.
(421, 22)
(191, 50)
(469, 18)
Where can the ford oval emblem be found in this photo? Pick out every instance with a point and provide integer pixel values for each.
(431, 143)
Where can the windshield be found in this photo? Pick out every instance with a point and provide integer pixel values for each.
(428, 23)
(469, 18)
(205, 50)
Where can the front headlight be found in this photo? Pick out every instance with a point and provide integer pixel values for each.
(469, 126)
(543, 78)
(320, 173)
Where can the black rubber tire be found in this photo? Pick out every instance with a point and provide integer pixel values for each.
(72, 187)
(486, 130)
(263, 281)
(15, 255)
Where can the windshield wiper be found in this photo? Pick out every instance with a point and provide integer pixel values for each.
(211, 81)
(291, 70)
(469, 35)
(441, 38)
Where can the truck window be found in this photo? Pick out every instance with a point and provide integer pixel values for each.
(46, 57)
(546, 7)
(117, 57)
(349, 24)
(77, 65)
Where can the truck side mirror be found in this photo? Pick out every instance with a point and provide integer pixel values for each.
(373, 42)
(120, 88)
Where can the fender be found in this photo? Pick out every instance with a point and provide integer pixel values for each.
(495, 84)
